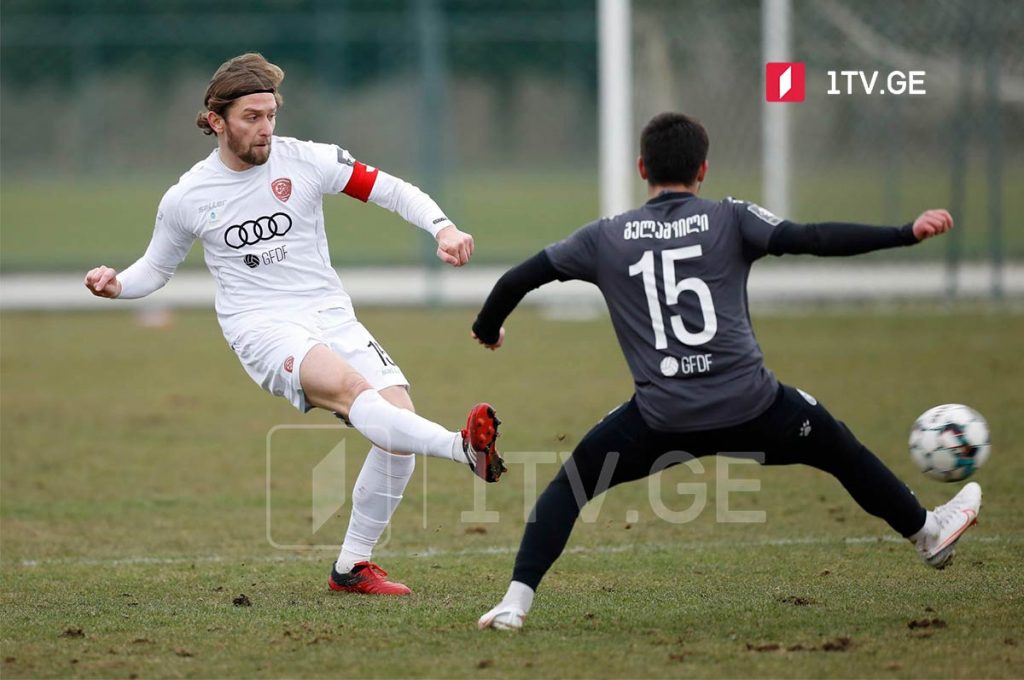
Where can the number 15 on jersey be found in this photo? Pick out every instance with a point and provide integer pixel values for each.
(673, 289)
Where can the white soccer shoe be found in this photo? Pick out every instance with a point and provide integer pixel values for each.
(503, 617)
(953, 519)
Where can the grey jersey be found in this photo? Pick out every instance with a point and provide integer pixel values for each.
(674, 276)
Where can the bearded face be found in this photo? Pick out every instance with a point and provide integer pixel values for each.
(248, 127)
(250, 149)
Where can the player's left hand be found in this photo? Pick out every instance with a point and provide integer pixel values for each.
(496, 345)
(454, 247)
(932, 223)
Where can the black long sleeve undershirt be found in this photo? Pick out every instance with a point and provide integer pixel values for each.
(837, 238)
(510, 289)
(790, 238)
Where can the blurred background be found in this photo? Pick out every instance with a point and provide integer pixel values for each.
(492, 107)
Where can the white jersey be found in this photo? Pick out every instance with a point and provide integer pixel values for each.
(263, 232)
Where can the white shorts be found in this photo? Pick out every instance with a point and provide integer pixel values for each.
(272, 353)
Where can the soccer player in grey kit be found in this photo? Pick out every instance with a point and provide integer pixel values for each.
(673, 273)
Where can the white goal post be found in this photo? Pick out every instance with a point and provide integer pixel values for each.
(775, 149)
(615, 107)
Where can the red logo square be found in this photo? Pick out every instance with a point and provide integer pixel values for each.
(784, 81)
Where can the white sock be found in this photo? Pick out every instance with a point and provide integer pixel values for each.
(396, 429)
(520, 595)
(930, 529)
(377, 492)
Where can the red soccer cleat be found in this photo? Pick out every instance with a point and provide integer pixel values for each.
(478, 441)
(365, 578)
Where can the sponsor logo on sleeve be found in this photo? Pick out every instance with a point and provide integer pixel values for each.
(764, 214)
(345, 158)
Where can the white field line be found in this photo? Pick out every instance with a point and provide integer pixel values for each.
(320, 554)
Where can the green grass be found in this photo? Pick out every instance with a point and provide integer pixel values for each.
(133, 507)
(76, 225)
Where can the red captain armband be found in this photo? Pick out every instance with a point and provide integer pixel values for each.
(360, 184)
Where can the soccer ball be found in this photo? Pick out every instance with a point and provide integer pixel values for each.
(949, 442)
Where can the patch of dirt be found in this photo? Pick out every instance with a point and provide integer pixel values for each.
(485, 663)
(797, 600)
(678, 658)
(768, 647)
(242, 601)
(73, 633)
(840, 644)
(476, 530)
(926, 623)
(182, 652)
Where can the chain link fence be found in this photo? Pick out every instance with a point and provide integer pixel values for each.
(858, 157)
(492, 107)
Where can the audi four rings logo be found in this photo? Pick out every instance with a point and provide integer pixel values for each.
(251, 232)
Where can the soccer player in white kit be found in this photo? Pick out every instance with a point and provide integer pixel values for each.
(256, 204)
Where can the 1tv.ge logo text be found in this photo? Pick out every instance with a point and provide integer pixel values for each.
(785, 82)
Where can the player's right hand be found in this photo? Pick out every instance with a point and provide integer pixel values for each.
(102, 282)
(494, 346)
(454, 247)
(932, 223)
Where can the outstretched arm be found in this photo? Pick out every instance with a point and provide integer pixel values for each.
(341, 173)
(840, 238)
(510, 289)
(168, 247)
(454, 247)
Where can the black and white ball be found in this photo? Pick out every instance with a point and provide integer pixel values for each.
(949, 442)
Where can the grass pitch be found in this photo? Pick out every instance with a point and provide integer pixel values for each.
(134, 514)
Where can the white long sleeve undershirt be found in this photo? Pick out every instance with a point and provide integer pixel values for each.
(408, 202)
